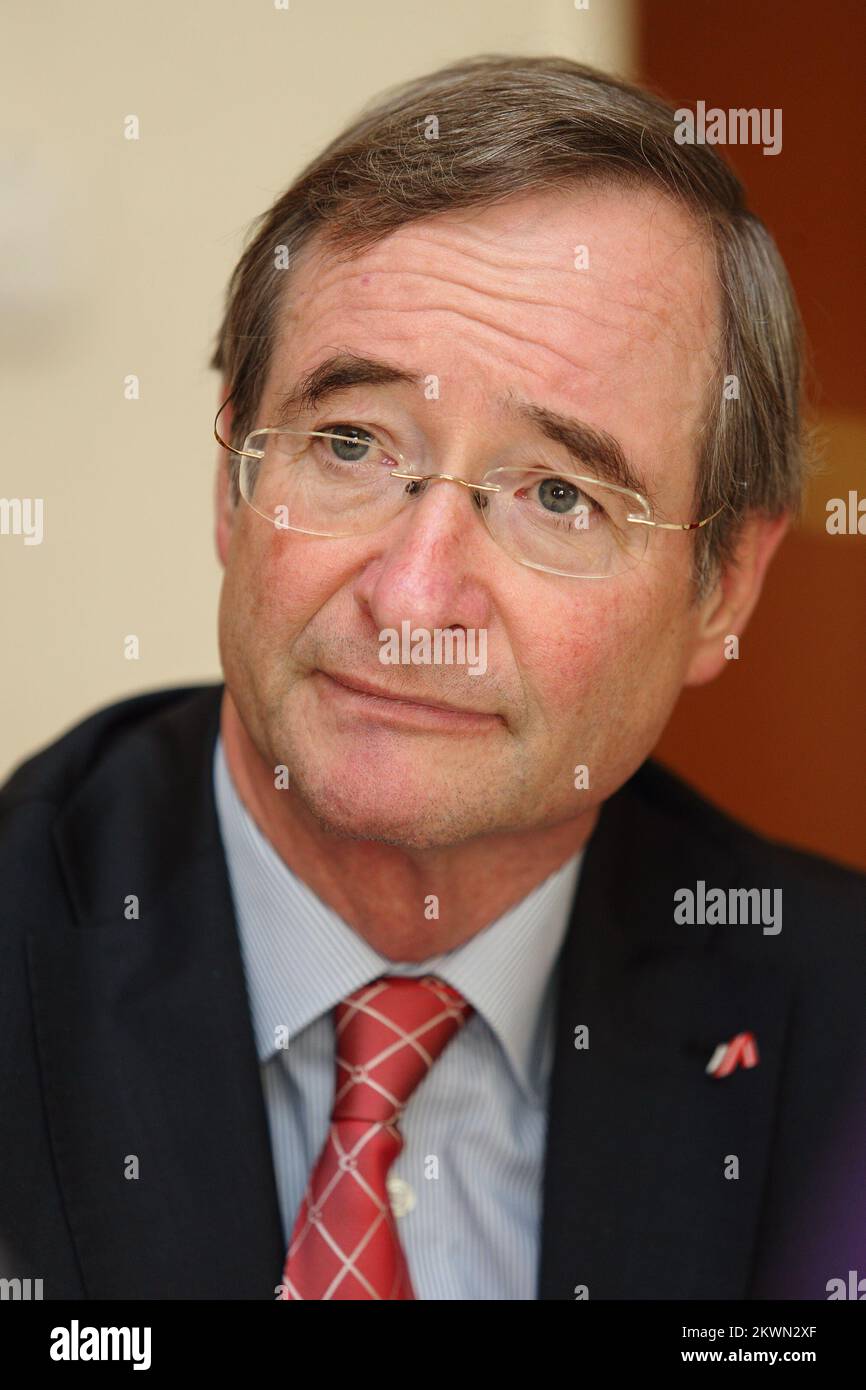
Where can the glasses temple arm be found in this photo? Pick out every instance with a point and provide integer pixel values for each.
(243, 453)
(677, 525)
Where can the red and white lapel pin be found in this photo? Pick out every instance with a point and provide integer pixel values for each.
(741, 1051)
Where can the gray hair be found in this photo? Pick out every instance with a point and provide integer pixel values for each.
(508, 126)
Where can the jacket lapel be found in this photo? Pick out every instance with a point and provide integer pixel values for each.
(151, 1082)
(152, 1089)
(636, 1200)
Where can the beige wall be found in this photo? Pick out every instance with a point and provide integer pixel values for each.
(115, 257)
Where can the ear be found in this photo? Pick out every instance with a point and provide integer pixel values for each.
(726, 610)
(225, 508)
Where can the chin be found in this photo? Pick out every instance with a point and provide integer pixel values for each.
(386, 814)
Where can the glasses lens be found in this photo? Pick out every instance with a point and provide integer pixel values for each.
(326, 484)
(565, 523)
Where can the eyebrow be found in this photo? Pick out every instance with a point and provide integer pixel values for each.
(339, 373)
(587, 444)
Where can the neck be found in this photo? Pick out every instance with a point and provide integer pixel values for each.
(382, 890)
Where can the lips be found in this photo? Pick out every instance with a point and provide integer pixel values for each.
(356, 702)
(364, 687)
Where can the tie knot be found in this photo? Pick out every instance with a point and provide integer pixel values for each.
(389, 1034)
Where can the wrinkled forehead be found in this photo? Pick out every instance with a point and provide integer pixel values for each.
(600, 301)
(567, 264)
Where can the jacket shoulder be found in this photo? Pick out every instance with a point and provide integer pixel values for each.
(817, 891)
(696, 815)
(54, 772)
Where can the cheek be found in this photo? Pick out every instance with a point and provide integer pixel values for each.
(275, 583)
(612, 652)
(577, 646)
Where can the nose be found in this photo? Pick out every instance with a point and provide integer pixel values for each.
(431, 562)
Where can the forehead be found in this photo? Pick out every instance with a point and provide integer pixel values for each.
(601, 302)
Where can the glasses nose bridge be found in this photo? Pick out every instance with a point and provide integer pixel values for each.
(446, 478)
(477, 491)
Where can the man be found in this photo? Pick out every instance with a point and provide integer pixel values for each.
(392, 968)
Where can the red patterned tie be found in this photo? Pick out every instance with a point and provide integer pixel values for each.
(345, 1242)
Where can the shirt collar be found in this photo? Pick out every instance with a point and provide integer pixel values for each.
(301, 958)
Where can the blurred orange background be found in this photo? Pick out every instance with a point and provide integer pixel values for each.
(779, 739)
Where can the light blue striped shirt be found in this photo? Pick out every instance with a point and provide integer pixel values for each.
(467, 1186)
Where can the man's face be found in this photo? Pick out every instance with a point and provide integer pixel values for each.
(580, 672)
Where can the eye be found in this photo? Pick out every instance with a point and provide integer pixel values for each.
(557, 495)
(353, 443)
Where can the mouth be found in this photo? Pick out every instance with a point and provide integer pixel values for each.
(363, 698)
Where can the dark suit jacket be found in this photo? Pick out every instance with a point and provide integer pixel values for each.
(122, 1038)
